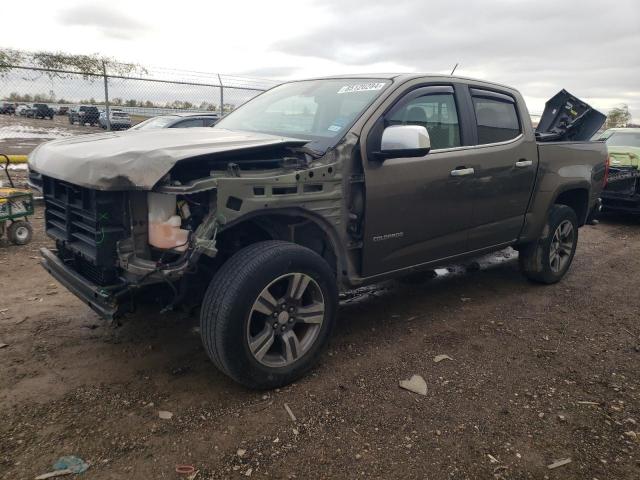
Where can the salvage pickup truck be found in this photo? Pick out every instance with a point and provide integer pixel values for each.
(312, 187)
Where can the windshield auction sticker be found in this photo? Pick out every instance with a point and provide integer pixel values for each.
(362, 87)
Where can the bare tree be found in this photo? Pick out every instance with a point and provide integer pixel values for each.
(62, 65)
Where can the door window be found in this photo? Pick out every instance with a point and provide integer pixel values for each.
(497, 120)
(436, 112)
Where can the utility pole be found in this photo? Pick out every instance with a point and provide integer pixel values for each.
(106, 95)
(221, 96)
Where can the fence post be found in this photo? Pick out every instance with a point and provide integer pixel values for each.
(221, 96)
(106, 95)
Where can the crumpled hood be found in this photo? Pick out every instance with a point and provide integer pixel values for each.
(137, 160)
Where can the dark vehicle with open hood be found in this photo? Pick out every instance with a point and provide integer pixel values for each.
(314, 187)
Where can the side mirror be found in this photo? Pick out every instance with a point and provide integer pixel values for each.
(404, 141)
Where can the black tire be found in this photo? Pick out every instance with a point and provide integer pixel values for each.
(20, 232)
(70, 121)
(228, 304)
(534, 258)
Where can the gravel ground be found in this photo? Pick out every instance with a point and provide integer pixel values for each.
(537, 374)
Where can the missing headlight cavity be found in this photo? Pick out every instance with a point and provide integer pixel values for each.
(234, 203)
(313, 187)
(284, 190)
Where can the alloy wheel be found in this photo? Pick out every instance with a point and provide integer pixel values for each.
(562, 244)
(285, 320)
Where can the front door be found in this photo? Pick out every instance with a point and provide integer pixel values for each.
(418, 209)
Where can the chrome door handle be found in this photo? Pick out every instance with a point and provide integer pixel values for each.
(523, 163)
(461, 172)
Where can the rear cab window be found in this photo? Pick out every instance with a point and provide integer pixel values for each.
(496, 116)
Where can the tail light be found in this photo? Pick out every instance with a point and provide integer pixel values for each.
(606, 171)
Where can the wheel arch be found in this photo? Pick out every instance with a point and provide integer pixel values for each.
(293, 224)
(575, 196)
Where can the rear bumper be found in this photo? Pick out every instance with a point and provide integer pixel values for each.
(100, 300)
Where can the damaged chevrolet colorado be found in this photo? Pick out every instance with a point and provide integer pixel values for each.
(312, 187)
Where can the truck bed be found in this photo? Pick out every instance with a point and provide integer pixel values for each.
(574, 164)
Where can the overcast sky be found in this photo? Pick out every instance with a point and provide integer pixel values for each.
(591, 48)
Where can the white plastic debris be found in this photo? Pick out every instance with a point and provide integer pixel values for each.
(439, 358)
(291, 415)
(415, 384)
(559, 463)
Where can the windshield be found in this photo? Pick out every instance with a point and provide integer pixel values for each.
(156, 122)
(624, 139)
(320, 111)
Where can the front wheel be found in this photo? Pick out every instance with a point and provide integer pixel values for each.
(548, 259)
(268, 313)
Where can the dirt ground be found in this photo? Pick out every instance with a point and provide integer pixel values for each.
(537, 374)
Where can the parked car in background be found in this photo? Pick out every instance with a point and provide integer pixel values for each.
(312, 187)
(83, 114)
(40, 110)
(61, 110)
(118, 119)
(179, 120)
(622, 193)
(7, 108)
(22, 109)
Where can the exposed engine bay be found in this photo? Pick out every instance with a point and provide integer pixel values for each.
(123, 240)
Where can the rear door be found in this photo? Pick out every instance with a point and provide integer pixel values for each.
(505, 161)
(418, 209)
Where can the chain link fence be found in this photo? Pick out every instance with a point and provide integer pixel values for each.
(141, 96)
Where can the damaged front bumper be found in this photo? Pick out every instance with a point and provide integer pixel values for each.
(105, 302)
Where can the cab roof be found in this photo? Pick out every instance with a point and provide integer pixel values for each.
(403, 77)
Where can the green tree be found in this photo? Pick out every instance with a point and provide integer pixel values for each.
(618, 117)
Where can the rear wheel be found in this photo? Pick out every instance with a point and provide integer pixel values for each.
(548, 259)
(20, 232)
(268, 313)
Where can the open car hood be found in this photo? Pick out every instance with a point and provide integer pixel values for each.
(137, 160)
